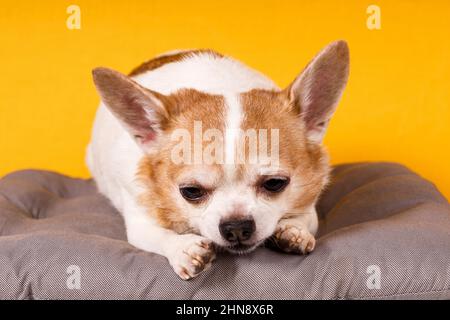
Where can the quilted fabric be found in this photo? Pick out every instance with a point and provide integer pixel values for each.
(384, 233)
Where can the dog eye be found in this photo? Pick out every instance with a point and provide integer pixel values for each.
(275, 185)
(193, 193)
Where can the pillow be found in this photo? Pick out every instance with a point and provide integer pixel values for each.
(384, 233)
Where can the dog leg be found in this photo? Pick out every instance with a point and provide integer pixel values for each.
(295, 233)
(188, 254)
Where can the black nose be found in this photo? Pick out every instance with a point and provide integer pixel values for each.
(237, 230)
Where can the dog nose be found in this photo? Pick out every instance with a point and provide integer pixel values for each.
(237, 230)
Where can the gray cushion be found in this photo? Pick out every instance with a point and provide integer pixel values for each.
(379, 216)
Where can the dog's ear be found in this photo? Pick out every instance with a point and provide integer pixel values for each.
(140, 110)
(315, 93)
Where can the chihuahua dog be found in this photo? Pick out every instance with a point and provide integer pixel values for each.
(226, 198)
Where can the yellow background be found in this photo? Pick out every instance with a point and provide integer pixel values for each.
(395, 108)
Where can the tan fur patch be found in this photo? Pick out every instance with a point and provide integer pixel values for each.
(157, 172)
(170, 58)
(307, 162)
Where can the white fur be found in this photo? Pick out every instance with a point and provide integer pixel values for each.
(206, 73)
(232, 126)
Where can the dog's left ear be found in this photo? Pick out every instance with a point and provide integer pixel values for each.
(315, 93)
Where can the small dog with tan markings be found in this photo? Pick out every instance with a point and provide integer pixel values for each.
(229, 197)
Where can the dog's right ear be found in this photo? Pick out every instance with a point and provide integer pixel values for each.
(140, 110)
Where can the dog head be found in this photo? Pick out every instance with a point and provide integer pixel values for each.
(230, 166)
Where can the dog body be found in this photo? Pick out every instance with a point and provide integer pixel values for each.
(184, 206)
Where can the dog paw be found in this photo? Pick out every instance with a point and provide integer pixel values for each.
(192, 255)
(294, 239)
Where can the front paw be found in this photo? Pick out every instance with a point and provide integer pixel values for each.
(294, 238)
(191, 255)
